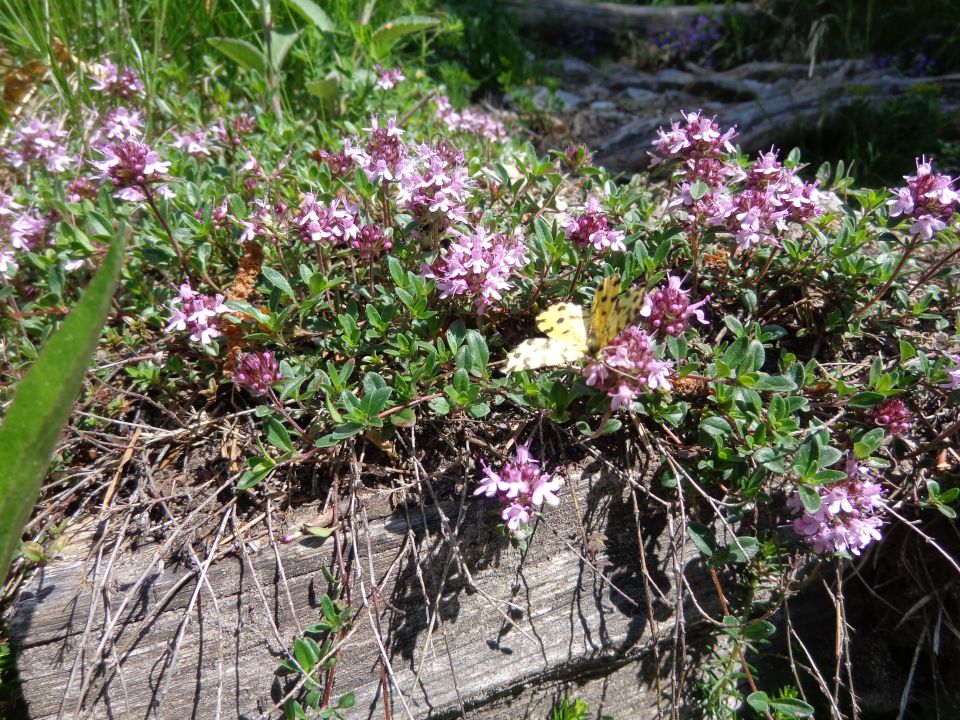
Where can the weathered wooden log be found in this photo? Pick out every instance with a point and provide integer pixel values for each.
(765, 113)
(513, 633)
(612, 17)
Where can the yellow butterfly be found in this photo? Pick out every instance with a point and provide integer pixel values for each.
(573, 332)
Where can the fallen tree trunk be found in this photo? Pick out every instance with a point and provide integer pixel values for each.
(467, 622)
(613, 17)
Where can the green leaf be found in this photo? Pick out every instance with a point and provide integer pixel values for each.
(810, 498)
(347, 700)
(791, 707)
(703, 537)
(278, 281)
(759, 701)
(326, 90)
(280, 44)
(277, 435)
(389, 33)
(241, 52)
(404, 418)
(43, 401)
(865, 399)
(750, 545)
(775, 383)
(314, 13)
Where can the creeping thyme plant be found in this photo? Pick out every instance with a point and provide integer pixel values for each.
(352, 271)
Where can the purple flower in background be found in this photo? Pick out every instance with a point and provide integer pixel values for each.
(478, 266)
(627, 368)
(593, 228)
(194, 144)
(80, 188)
(891, 414)
(40, 142)
(29, 230)
(340, 164)
(119, 124)
(521, 488)
(8, 264)
(848, 518)
(388, 79)
(475, 122)
(110, 79)
(384, 156)
(258, 371)
(668, 308)
(436, 185)
(197, 314)
(929, 199)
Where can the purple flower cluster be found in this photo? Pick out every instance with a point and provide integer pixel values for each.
(110, 79)
(195, 144)
(196, 313)
(891, 414)
(477, 265)
(80, 188)
(468, 120)
(383, 156)
(521, 488)
(119, 123)
(929, 199)
(258, 372)
(130, 166)
(28, 230)
(669, 308)
(332, 224)
(231, 134)
(340, 163)
(436, 185)
(40, 142)
(592, 227)
(848, 518)
(388, 79)
(754, 205)
(627, 367)
(694, 38)
(370, 242)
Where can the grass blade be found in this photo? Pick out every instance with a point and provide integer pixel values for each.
(43, 401)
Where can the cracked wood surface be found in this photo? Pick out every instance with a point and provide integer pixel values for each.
(530, 628)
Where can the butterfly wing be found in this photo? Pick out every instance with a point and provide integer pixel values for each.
(611, 311)
(566, 328)
(542, 352)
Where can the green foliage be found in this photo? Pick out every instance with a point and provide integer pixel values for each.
(43, 401)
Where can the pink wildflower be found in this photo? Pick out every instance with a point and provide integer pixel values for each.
(848, 517)
(593, 228)
(130, 163)
(929, 199)
(627, 367)
(384, 156)
(196, 313)
(475, 122)
(38, 141)
(29, 230)
(193, 143)
(436, 186)
(258, 371)
(81, 188)
(388, 79)
(953, 374)
(478, 266)
(370, 242)
(668, 308)
(520, 487)
(333, 224)
(110, 79)
(892, 414)
(119, 124)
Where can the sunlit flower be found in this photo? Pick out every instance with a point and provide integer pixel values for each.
(929, 199)
(40, 142)
(197, 314)
(592, 228)
(388, 79)
(627, 368)
(520, 487)
(110, 79)
(669, 308)
(193, 143)
(891, 414)
(130, 163)
(258, 371)
(953, 373)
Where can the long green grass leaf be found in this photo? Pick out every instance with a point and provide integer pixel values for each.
(43, 401)
(314, 13)
(244, 53)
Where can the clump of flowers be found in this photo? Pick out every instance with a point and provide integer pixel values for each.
(929, 199)
(334, 224)
(130, 166)
(340, 164)
(110, 79)
(477, 265)
(891, 414)
(194, 144)
(119, 123)
(231, 134)
(370, 242)
(436, 186)
(388, 79)
(521, 487)
(40, 142)
(696, 37)
(197, 314)
(669, 308)
(383, 156)
(592, 227)
(258, 372)
(472, 121)
(627, 368)
(699, 143)
(28, 230)
(848, 518)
